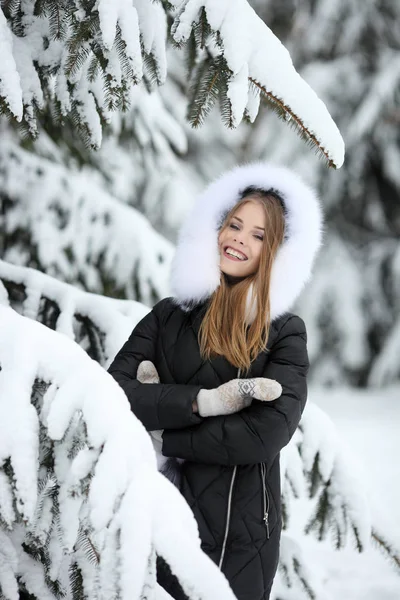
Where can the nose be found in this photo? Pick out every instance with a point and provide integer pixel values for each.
(238, 238)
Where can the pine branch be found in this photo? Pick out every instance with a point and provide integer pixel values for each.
(78, 55)
(39, 388)
(151, 70)
(224, 101)
(320, 520)
(10, 8)
(202, 29)
(82, 126)
(314, 477)
(292, 568)
(285, 113)
(85, 543)
(58, 14)
(191, 53)
(204, 92)
(40, 8)
(167, 5)
(175, 23)
(76, 580)
(386, 548)
(93, 69)
(299, 572)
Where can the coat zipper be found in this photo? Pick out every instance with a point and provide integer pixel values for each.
(229, 507)
(228, 511)
(228, 517)
(266, 497)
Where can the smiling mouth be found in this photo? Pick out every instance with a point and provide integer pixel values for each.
(233, 254)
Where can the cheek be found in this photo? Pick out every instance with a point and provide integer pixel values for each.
(222, 237)
(257, 252)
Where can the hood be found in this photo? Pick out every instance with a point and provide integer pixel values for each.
(195, 272)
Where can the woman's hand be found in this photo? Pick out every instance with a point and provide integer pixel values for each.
(147, 373)
(235, 395)
(226, 399)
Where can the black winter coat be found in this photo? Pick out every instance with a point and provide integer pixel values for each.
(231, 475)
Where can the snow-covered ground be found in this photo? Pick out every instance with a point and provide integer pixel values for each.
(368, 422)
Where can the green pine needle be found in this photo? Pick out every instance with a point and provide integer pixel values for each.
(314, 477)
(191, 53)
(306, 587)
(387, 549)
(203, 92)
(284, 112)
(151, 69)
(59, 17)
(10, 8)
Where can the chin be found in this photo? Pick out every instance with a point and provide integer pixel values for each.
(234, 273)
(235, 269)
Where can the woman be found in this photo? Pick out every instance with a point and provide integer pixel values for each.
(243, 257)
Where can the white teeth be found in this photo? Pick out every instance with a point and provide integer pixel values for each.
(233, 252)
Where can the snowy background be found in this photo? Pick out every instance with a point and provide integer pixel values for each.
(92, 204)
(368, 424)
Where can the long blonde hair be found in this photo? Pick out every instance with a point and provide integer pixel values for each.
(224, 330)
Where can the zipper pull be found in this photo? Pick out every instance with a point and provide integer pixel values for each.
(266, 523)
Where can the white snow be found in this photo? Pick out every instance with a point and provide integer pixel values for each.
(115, 319)
(153, 28)
(10, 82)
(126, 489)
(151, 172)
(367, 428)
(253, 52)
(29, 79)
(8, 568)
(68, 213)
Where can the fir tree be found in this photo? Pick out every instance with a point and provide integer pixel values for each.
(80, 510)
(81, 60)
(50, 521)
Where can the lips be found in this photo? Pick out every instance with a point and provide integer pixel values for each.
(242, 258)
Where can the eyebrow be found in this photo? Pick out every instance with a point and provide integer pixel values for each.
(255, 226)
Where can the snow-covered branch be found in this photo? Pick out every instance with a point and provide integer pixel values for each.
(98, 324)
(80, 57)
(247, 61)
(83, 60)
(79, 487)
(319, 467)
(315, 466)
(65, 224)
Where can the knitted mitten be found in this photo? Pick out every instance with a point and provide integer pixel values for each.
(235, 395)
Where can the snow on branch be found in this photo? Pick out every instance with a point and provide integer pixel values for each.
(243, 61)
(342, 506)
(83, 509)
(83, 58)
(10, 84)
(317, 465)
(67, 225)
(98, 324)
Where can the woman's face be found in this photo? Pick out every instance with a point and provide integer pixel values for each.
(240, 242)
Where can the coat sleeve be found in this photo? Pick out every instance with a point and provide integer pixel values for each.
(158, 406)
(257, 433)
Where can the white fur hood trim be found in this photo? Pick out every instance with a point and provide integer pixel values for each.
(195, 269)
